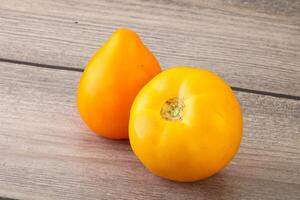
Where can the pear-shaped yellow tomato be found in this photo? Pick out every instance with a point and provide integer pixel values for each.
(110, 82)
(185, 124)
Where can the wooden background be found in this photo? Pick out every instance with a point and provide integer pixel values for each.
(46, 152)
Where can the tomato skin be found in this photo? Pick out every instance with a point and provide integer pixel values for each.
(110, 82)
(199, 144)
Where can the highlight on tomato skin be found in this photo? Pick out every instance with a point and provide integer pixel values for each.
(110, 82)
(185, 124)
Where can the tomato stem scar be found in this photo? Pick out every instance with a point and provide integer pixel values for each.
(172, 109)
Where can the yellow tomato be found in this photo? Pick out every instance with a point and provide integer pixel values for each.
(185, 124)
(110, 82)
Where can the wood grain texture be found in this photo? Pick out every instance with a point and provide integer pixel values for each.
(252, 44)
(47, 152)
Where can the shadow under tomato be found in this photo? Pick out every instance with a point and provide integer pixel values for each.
(215, 187)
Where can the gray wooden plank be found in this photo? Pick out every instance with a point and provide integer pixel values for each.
(289, 8)
(46, 152)
(252, 44)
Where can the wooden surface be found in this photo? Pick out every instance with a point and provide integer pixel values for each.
(248, 43)
(46, 152)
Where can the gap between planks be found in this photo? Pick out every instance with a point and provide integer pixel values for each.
(266, 93)
(6, 198)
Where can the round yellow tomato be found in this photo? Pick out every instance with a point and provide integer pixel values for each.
(185, 124)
